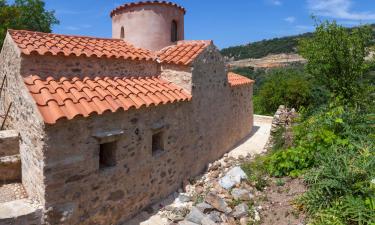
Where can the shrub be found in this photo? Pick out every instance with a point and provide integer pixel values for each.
(336, 57)
(287, 87)
(341, 189)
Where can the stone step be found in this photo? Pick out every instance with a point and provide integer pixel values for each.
(10, 169)
(9, 143)
(20, 212)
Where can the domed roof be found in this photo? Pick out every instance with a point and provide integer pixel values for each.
(133, 4)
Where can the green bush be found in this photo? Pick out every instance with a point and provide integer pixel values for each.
(336, 58)
(285, 87)
(258, 75)
(334, 144)
(341, 188)
(332, 127)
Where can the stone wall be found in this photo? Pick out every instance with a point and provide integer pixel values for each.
(78, 192)
(82, 66)
(24, 117)
(282, 122)
(178, 74)
(214, 109)
(194, 134)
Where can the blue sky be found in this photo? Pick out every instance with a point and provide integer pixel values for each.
(227, 22)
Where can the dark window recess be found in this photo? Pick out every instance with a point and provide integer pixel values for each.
(122, 35)
(174, 34)
(157, 143)
(107, 155)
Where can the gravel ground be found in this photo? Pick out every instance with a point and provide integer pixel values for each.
(10, 192)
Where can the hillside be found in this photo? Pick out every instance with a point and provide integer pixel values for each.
(264, 48)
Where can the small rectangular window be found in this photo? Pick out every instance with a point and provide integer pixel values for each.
(157, 143)
(107, 155)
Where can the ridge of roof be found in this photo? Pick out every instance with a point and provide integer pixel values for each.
(182, 52)
(132, 4)
(55, 44)
(67, 35)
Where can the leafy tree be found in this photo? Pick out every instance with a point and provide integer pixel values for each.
(288, 87)
(25, 14)
(336, 57)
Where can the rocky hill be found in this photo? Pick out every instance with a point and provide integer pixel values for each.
(260, 49)
(270, 61)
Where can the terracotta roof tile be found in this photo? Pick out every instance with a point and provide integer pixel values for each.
(55, 44)
(132, 4)
(69, 98)
(238, 80)
(183, 53)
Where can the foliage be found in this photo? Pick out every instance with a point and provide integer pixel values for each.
(258, 75)
(336, 57)
(27, 15)
(292, 80)
(288, 87)
(334, 143)
(341, 188)
(256, 172)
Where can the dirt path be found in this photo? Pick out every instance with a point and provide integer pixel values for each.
(276, 202)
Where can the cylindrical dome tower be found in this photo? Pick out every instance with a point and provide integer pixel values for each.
(152, 24)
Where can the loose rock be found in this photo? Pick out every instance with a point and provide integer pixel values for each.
(240, 210)
(217, 202)
(241, 194)
(203, 207)
(187, 223)
(207, 221)
(195, 215)
(232, 177)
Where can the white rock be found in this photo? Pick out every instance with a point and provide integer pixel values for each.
(232, 177)
(195, 216)
(207, 221)
(186, 223)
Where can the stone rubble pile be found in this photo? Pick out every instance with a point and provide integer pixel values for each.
(222, 195)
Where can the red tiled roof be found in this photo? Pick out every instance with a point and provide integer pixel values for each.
(184, 52)
(55, 44)
(128, 5)
(238, 80)
(69, 98)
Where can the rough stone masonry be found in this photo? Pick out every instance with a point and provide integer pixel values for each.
(106, 128)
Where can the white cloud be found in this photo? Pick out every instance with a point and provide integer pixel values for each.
(338, 9)
(275, 2)
(290, 19)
